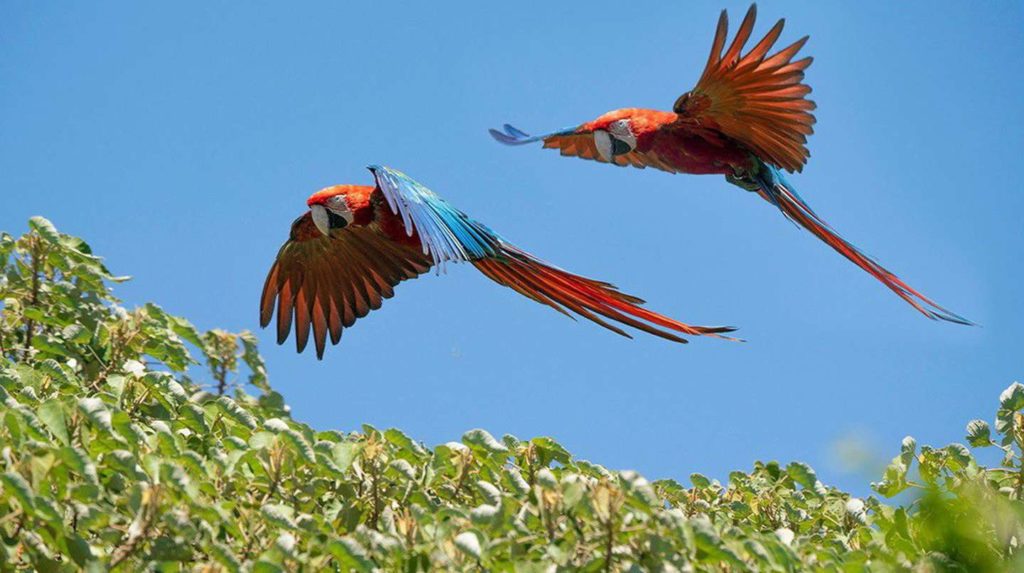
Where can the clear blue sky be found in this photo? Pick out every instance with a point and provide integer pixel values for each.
(182, 139)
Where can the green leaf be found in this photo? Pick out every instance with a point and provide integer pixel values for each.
(1013, 397)
(51, 413)
(130, 431)
(51, 368)
(15, 486)
(76, 333)
(298, 444)
(344, 454)
(404, 469)
(81, 552)
(264, 566)
(279, 515)
(45, 229)
(481, 439)
(551, 450)
(959, 455)
(490, 493)
(978, 433)
(80, 463)
(468, 543)
(350, 554)
(402, 441)
(252, 359)
(96, 412)
(261, 440)
(194, 418)
(223, 556)
(516, 480)
(802, 474)
(236, 412)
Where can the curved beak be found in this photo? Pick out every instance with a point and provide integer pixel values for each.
(603, 142)
(321, 219)
(609, 146)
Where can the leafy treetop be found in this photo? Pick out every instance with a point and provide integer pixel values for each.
(113, 457)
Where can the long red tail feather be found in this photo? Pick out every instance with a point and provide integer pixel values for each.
(775, 189)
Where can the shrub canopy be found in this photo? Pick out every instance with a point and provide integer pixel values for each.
(112, 456)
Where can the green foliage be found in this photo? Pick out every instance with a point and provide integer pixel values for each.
(112, 457)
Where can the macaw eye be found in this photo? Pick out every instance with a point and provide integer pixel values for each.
(337, 203)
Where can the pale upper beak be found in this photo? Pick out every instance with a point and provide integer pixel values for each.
(603, 142)
(610, 146)
(321, 219)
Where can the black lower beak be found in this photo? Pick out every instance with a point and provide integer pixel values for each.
(335, 221)
(619, 147)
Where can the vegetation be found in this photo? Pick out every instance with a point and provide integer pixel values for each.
(113, 457)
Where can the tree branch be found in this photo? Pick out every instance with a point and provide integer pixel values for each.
(36, 255)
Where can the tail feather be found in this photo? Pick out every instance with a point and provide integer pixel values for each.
(774, 188)
(564, 291)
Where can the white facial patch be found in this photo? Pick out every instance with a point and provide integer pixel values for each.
(603, 142)
(620, 130)
(339, 207)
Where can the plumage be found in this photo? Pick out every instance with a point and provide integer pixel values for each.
(322, 283)
(747, 118)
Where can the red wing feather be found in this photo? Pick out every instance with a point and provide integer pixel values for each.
(755, 98)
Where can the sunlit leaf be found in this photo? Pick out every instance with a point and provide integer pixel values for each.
(481, 439)
(468, 543)
(51, 413)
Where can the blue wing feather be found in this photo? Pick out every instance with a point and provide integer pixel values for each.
(447, 234)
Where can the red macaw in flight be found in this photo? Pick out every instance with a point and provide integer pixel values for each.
(747, 118)
(346, 254)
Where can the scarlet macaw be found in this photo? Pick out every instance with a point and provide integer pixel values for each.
(747, 118)
(356, 242)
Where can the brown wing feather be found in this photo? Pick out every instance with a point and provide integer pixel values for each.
(582, 145)
(323, 285)
(755, 98)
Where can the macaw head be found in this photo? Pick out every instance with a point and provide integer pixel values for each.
(338, 206)
(613, 132)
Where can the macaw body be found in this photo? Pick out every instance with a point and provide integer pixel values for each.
(347, 253)
(681, 144)
(747, 118)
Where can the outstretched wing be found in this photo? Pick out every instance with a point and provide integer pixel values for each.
(756, 98)
(579, 142)
(446, 233)
(450, 235)
(326, 283)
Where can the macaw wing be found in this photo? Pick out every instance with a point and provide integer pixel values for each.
(327, 283)
(450, 234)
(756, 98)
(580, 143)
(446, 233)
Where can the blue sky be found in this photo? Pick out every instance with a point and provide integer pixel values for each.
(181, 140)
